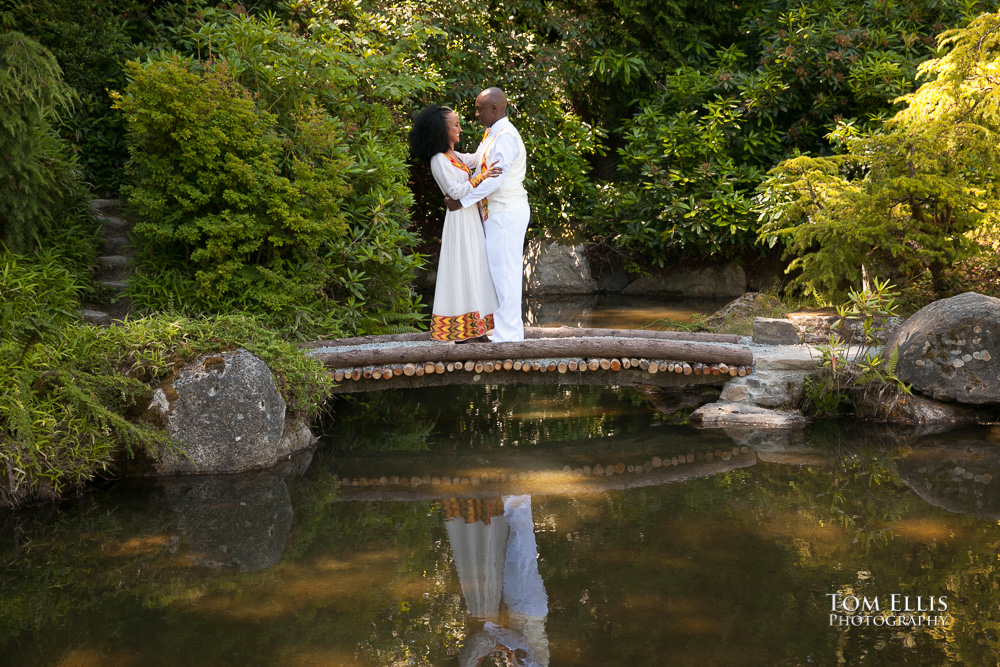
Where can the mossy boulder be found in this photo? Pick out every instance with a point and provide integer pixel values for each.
(949, 349)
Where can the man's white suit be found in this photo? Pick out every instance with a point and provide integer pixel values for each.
(506, 204)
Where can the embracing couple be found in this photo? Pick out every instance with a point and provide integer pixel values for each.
(481, 264)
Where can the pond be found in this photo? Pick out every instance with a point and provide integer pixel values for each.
(528, 525)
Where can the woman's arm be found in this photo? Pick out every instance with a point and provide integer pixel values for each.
(453, 181)
(469, 159)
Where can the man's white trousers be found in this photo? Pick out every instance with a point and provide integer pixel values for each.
(505, 253)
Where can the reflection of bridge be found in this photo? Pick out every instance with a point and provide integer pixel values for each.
(632, 461)
(547, 356)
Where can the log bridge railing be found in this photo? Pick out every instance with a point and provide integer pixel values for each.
(560, 355)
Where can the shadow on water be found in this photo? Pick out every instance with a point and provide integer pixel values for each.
(534, 526)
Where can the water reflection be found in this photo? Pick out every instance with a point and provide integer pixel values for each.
(232, 521)
(496, 557)
(956, 474)
(722, 561)
(613, 311)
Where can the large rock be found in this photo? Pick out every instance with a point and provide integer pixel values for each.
(227, 415)
(743, 307)
(552, 268)
(728, 280)
(946, 350)
(721, 415)
(914, 410)
(773, 331)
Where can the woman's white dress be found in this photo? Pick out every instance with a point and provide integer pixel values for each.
(464, 298)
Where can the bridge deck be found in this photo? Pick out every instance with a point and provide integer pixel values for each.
(547, 356)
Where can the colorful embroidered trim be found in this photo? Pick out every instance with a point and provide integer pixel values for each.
(460, 327)
(485, 205)
(475, 181)
(472, 509)
(460, 165)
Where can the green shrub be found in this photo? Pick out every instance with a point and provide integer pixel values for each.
(39, 179)
(270, 187)
(90, 41)
(859, 377)
(71, 394)
(904, 199)
(708, 107)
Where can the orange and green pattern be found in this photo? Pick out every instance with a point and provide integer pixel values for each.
(484, 204)
(472, 509)
(475, 181)
(460, 327)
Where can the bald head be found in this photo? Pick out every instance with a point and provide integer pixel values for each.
(491, 106)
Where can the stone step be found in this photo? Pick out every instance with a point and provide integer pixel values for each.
(120, 262)
(113, 225)
(113, 285)
(112, 267)
(114, 262)
(95, 317)
(99, 205)
(116, 245)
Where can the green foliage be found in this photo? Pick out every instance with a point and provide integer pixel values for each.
(207, 188)
(89, 40)
(706, 120)
(902, 200)
(39, 297)
(684, 193)
(71, 395)
(855, 371)
(39, 179)
(271, 187)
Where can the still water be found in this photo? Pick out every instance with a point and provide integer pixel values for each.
(528, 526)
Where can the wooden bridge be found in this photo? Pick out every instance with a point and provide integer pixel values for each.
(563, 355)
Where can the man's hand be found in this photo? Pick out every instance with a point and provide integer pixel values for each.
(452, 204)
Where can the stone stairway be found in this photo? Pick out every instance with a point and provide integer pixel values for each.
(113, 264)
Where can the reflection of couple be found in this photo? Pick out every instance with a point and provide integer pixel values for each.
(493, 544)
(481, 264)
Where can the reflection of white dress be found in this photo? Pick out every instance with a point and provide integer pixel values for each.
(464, 298)
(478, 550)
(503, 551)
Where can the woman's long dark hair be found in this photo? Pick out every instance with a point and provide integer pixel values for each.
(429, 134)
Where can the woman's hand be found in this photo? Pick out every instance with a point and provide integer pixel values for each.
(493, 171)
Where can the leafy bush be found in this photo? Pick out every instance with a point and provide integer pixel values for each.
(685, 192)
(266, 186)
(713, 109)
(39, 179)
(860, 376)
(903, 199)
(89, 40)
(70, 394)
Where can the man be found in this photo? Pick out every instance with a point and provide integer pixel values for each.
(506, 211)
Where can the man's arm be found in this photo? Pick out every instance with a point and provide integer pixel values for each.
(504, 151)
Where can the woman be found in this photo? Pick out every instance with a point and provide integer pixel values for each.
(464, 298)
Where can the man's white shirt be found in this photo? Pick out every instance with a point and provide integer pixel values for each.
(504, 146)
